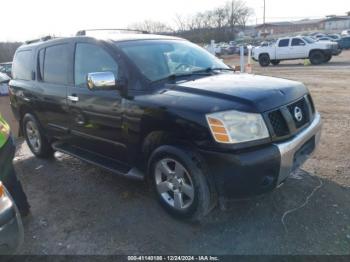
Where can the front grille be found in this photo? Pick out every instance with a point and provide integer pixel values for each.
(278, 123)
(288, 120)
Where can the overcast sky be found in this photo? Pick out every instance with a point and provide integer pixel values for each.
(27, 19)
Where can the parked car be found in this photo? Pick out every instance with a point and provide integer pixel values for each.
(344, 42)
(345, 32)
(289, 48)
(162, 109)
(6, 68)
(11, 229)
(326, 38)
(4, 81)
(335, 37)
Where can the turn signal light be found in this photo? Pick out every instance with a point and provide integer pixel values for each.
(218, 130)
(2, 190)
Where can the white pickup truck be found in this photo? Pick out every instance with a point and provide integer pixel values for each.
(300, 47)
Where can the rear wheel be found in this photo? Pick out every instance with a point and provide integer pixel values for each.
(264, 60)
(275, 62)
(35, 138)
(317, 58)
(180, 183)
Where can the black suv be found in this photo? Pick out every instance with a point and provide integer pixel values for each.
(163, 109)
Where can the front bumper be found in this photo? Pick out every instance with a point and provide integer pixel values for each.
(336, 51)
(11, 228)
(262, 169)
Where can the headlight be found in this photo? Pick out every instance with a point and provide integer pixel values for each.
(233, 127)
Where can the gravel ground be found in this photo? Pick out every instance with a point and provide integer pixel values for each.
(80, 209)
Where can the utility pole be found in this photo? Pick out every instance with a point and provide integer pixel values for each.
(264, 11)
(264, 26)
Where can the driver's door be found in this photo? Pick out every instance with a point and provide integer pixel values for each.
(95, 116)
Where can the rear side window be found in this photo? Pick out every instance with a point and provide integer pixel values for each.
(56, 62)
(22, 65)
(297, 42)
(91, 58)
(283, 43)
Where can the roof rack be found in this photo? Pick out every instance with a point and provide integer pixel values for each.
(117, 30)
(42, 39)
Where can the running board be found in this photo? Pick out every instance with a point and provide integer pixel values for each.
(90, 157)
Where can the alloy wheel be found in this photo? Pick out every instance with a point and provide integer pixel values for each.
(174, 183)
(33, 135)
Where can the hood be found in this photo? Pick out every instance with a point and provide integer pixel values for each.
(255, 93)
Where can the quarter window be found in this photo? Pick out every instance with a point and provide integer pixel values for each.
(283, 43)
(22, 65)
(56, 64)
(90, 58)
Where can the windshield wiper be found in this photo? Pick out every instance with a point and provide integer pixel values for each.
(204, 72)
(175, 76)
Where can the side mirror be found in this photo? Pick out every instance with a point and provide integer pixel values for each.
(101, 81)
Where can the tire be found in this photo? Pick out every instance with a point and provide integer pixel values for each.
(327, 59)
(180, 182)
(275, 62)
(317, 58)
(34, 135)
(264, 60)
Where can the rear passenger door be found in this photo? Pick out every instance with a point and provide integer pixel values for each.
(53, 64)
(282, 50)
(298, 48)
(95, 116)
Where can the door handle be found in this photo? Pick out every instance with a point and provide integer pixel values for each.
(73, 98)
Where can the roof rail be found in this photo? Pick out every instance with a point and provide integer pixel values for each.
(84, 32)
(41, 39)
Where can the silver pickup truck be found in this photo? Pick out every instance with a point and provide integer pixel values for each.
(299, 47)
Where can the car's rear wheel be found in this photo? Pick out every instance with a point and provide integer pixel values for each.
(264, 60)
(180, 183)
(317, 58)
(275, 62)
(35, 138)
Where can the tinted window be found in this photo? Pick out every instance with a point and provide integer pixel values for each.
(22, 66)
(283, 43)
(56, 64)
(90, 58)
(297, 42)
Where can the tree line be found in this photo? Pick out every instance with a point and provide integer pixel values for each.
(222, 23)
(7, 50)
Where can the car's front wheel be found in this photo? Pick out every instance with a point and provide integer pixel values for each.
(317, 58)
(35, 138)
(328, 58)
(180, 183)
(264, 60)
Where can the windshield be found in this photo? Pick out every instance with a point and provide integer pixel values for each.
(4, 77)
(158, 59)
(309, 39)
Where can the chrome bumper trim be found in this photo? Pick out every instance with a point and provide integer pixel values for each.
(289, 148)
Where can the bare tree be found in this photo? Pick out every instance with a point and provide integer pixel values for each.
(151, 26)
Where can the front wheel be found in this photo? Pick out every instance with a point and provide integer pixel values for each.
(317, 58)
(180, 183)
(275, 62)
(35, 138)
(328, 58)
(264, 60)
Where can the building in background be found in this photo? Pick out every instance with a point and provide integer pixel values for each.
(328, 24)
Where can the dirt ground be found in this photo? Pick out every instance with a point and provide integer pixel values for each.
(80, 209)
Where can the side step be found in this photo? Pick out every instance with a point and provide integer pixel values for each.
(90, 157)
